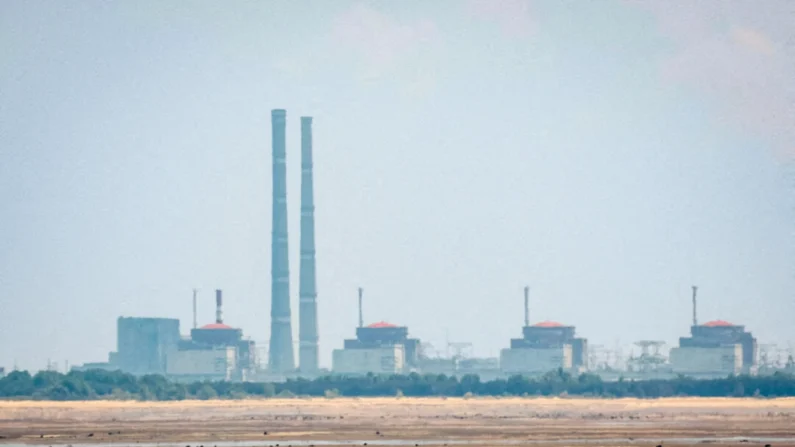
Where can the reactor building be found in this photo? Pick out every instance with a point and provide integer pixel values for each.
(154, 346)
(714, 349)
(544, 347)
(214, 351)
(379, 348)
(144, 344)
(217, 351)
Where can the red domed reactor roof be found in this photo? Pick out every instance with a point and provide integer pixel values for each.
(216, 326)
(717, 323)
(381, 324)
(549, 324)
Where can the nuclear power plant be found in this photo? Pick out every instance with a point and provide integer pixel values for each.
(381, 347)
(716, 347)
(544, 347)
(217, 351)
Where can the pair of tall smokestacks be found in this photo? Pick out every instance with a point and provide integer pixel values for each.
(282, 359)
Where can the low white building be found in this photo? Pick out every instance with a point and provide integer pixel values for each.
(378, 360)
(535, 361)
(202, 364)
(438, 365)
(718, 361)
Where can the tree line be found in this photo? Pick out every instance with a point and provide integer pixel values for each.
(101, 384)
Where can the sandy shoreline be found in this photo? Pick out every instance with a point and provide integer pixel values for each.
(485, 421)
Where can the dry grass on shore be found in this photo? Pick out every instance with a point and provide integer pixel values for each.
(430, 404)
(342, 418)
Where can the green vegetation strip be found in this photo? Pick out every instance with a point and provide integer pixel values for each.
(100, 384)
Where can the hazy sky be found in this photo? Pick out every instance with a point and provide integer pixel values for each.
(610, 154)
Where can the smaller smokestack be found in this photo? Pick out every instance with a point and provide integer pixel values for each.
(361, 318)
(195, 323)
(695, 320)
(526, 306)
(219, 317)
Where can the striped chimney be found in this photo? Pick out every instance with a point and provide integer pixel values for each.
(281, 358)
(307, 288)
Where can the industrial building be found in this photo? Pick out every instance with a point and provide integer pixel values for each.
(651, 362)
(107, 366)
(154, 346)
(773, 359)
(714, 349)
(487, 368)
(194, 365)
(458, 360)
(144, 344)
(437, 365)
(214, 351)
(218, 351)
(544, 347)
(379, 348)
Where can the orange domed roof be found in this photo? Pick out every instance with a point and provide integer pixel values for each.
(549, 324)
(216, 326)
(381, 324)
(717, 323)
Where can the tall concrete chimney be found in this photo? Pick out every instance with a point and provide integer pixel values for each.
(695, 320)
(526, 306)
(361, 317)
(219, 316)
(281, 359)
(307, 286)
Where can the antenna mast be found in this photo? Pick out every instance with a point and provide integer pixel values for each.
(195, 323)
(695, 291)
(361, 318)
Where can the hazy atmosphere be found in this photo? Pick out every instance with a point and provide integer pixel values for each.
(608, 154)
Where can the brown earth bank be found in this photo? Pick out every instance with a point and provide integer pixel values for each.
(404, 421)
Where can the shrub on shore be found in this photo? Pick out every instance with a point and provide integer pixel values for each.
(116, 385)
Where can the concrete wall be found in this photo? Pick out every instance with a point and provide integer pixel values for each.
(714, 336)
(144, 343)
(96, 365)
(702, 361)
(447, 366)
(535, 360)
(382, 360)
(218, 363)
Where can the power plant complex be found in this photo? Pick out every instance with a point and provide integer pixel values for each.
(217, 351)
